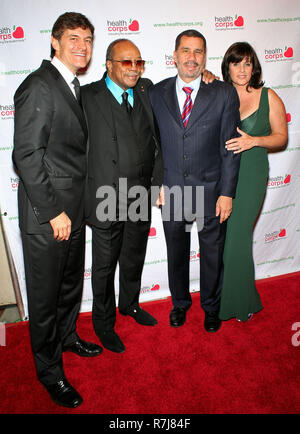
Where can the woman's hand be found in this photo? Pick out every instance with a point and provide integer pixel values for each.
(223, 207)
(208, 77)
(240, 144)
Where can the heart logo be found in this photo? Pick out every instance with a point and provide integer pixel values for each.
(152, 232)
(288, 52)
(18, 33)
(155, 287)
(239, 22)
(282, 233)
(134, 26)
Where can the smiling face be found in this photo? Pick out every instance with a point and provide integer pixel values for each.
(124, 76)
(241, 72)
(190, 58)
(74, 48)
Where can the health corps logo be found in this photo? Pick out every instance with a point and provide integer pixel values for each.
(14, 182)
(87, 273)
(154, 287)
(169, 61)
(279, 54)
(123, 27)
(275, 236)
(194, 256)
(7, 111)
(229, 22)
(279, 181)
(11, 34)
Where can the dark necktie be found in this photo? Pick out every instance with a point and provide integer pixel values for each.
(126, 103)
(188, 105)
(77, 89)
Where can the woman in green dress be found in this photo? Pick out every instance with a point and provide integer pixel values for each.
(263, 127)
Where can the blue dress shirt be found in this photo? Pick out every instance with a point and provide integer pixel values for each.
(117, 91)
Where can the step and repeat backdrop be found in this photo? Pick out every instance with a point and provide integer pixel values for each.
(272, 28)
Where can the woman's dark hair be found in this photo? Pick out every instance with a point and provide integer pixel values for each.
(69, 20)
(235, 54)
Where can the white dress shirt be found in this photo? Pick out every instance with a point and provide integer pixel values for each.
(65, 72)
(181, 95)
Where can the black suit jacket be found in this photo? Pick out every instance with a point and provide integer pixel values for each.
(103, 146)
(50, 139)
(196, 155)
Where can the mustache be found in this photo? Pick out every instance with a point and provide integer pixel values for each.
(191, 62)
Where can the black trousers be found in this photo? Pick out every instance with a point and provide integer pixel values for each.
(125, 243)
(211, 242)
(54, 279)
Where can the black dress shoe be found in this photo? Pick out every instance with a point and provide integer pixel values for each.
(140, 315)
(111, 341)
(212, 322)
(84, 349)
(62, 393)
(177, 316)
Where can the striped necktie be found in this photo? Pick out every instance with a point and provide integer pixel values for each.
(188, 105)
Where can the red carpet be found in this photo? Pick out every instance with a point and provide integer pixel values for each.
(244, 368)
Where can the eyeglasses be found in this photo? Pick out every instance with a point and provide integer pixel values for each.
(130, 63)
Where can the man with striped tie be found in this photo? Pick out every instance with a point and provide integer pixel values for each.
(195, 119)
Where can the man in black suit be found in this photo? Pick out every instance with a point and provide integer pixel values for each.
(50, 140)
(195, 119)
(123, 154)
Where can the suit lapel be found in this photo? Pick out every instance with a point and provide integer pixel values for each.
(203, 99)
(170, 98)
(68, 95)
(103, 102)
(143, 95)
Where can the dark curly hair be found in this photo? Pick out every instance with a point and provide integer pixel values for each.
(235, 54)
(69, 20)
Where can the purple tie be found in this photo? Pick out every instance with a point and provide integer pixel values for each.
(188, 105)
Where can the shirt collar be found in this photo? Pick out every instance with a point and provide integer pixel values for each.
(63, 69)
(195, 84)
(115, 89)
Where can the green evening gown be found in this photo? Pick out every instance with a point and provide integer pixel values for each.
(239, 294)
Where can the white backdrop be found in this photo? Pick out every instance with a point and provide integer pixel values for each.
(272, 28)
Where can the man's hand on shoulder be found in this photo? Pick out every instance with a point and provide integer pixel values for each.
(223, 207)
(61, 226)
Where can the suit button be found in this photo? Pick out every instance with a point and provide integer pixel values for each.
(114, 161)
(114, 138)
(185, 157)
(185, 175)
